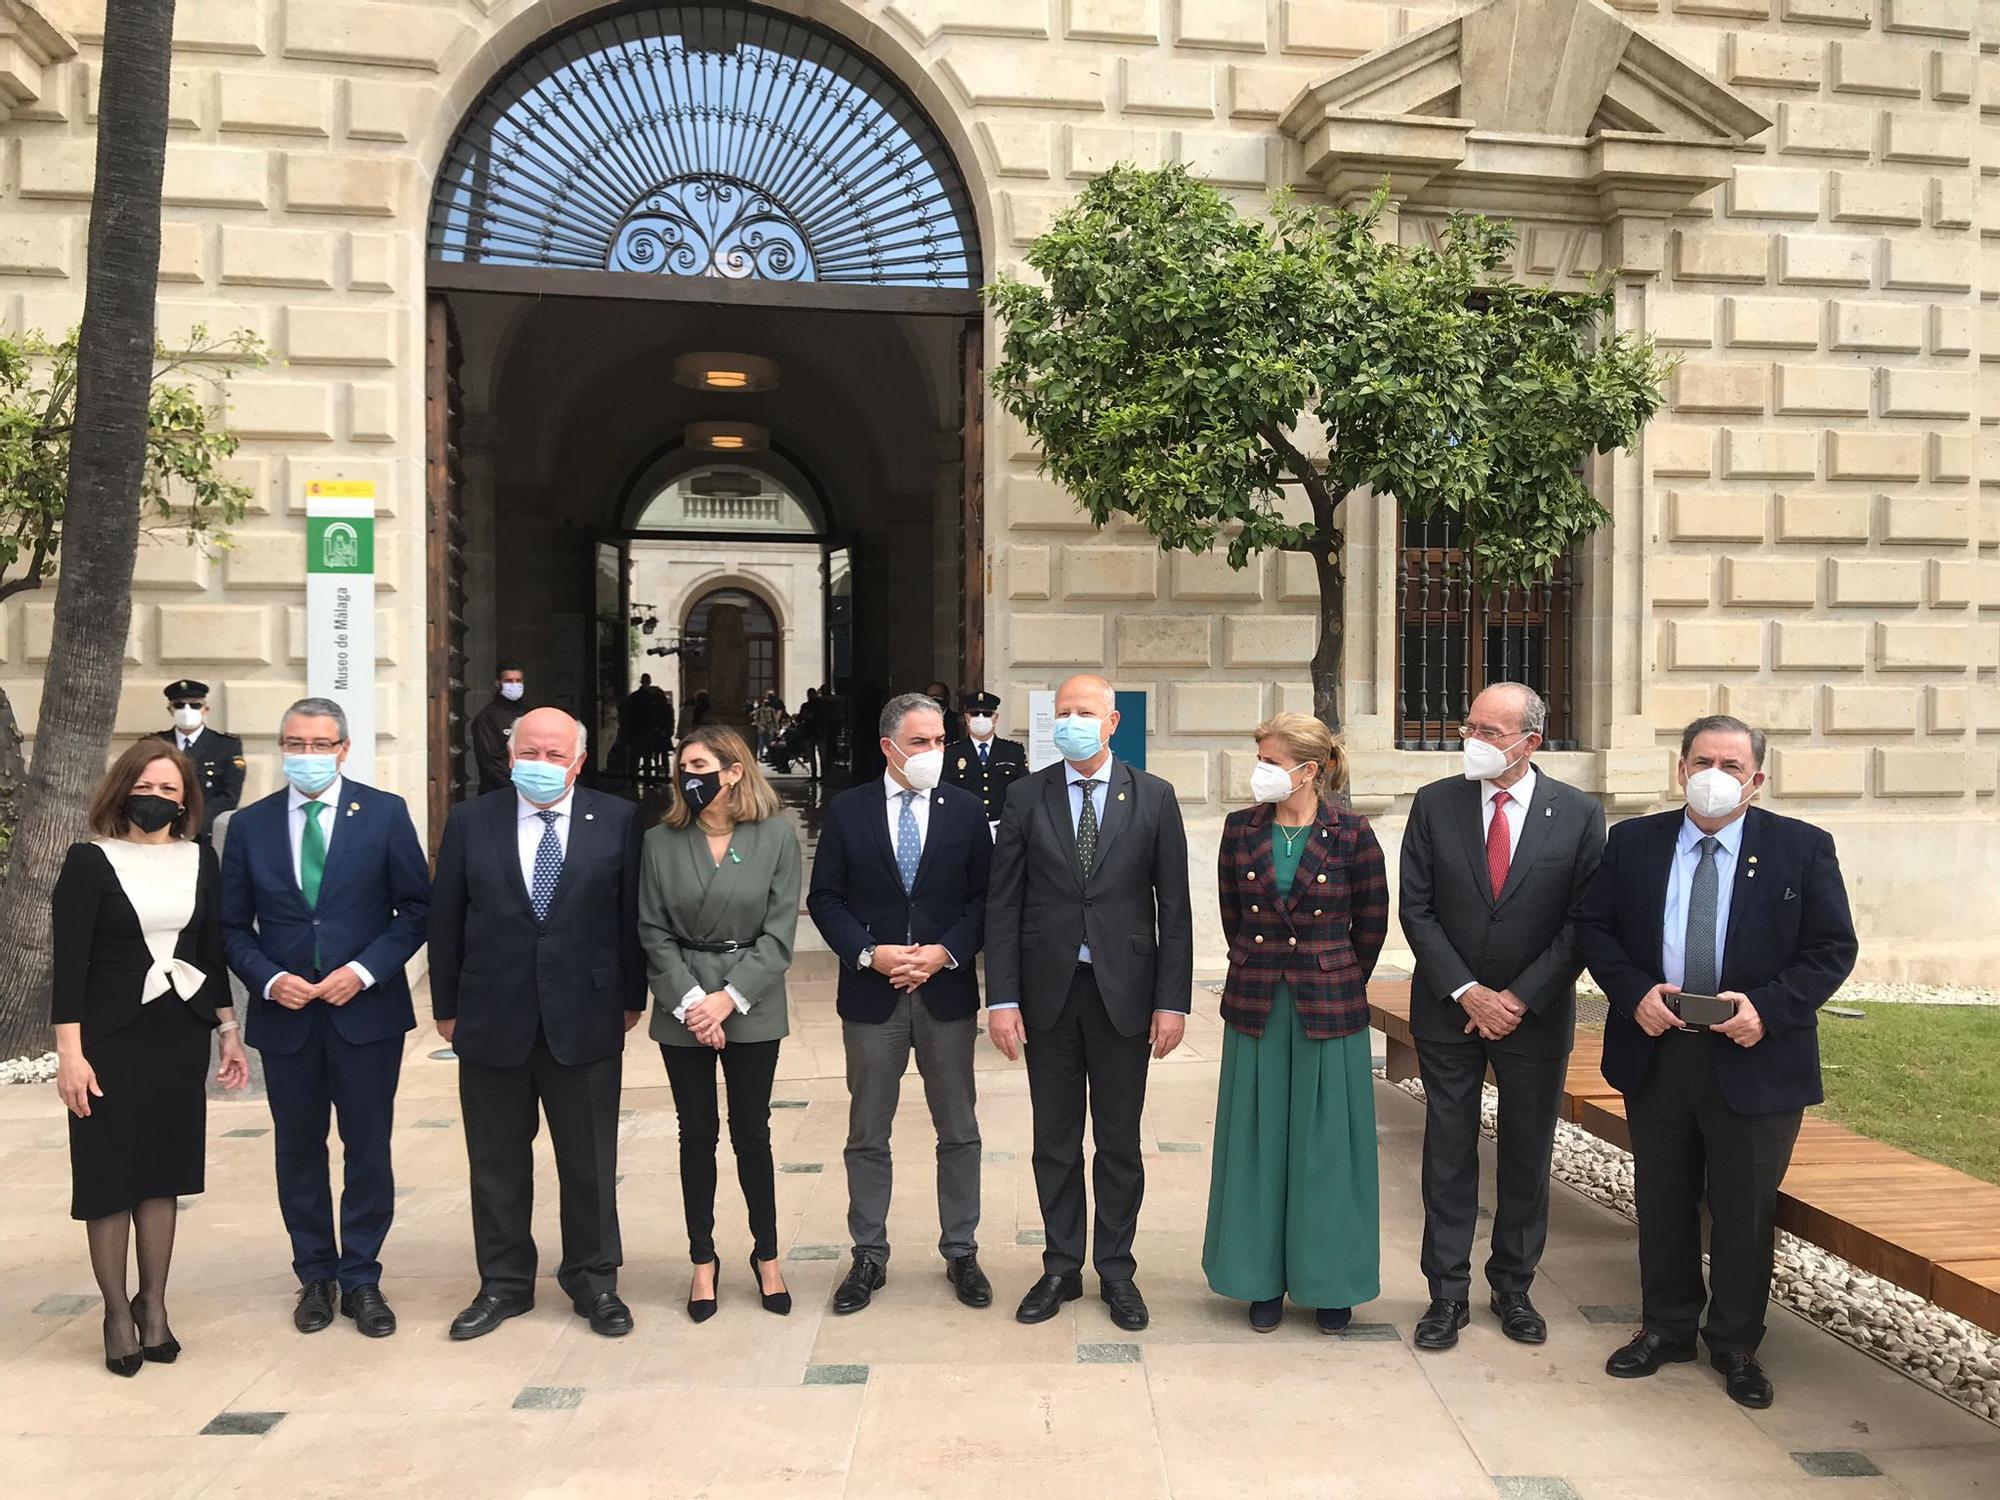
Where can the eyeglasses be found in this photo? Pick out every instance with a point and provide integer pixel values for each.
(1491, 733)
(185, 703)
(310, 747)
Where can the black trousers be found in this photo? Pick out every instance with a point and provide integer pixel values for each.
(1530, 1101)
(1078, 1064)
(1687, 1144)
(747, 1071)
(503, 1109)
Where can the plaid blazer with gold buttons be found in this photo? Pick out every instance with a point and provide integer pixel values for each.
(1322, 936)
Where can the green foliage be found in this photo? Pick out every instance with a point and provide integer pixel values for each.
(184, 489)
(1170, 348)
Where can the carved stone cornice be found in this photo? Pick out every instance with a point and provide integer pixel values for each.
(30, 46)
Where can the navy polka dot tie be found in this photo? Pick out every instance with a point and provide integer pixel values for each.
(909, 846)
(548, 865)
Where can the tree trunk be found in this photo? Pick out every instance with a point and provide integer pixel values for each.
(13, 772)
(1326, 658)
(93, 607)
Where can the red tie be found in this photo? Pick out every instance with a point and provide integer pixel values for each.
(1496, 845)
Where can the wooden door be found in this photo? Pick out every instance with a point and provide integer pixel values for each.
(444, 566)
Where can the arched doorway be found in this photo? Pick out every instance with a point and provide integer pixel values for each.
(730, 654)
(661, 180)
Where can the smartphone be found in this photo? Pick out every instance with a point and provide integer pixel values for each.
(1701, 1011)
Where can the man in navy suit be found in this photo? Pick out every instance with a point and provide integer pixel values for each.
(536, 976)
(899, 894)
(325, 892)
(1722, 899)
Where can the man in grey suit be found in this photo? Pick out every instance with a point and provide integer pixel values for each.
(1090, 961)
(1494, 863)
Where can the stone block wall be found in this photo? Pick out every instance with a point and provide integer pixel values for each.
(1813, 522)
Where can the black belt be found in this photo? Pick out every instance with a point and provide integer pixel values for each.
(731, 946)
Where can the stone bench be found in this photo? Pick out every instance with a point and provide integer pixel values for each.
(1924, 1227)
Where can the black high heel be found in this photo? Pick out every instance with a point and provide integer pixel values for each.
(704, 1309)
(126, 1365)
(159, 1354)
(774, 1302)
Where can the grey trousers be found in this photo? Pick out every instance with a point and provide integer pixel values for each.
(877, 1056)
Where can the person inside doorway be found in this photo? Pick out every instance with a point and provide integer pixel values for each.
(954, 724)
(493, 723)
(982, 762)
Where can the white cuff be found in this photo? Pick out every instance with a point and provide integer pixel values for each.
(693, 995)
(272, 984)
(949, 961)
(367, 979)
(1003, 1005)
(1459, 993)
(742, 1001)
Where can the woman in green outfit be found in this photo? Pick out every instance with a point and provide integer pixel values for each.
(1292, 1204)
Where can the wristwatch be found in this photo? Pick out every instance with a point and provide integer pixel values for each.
(867, 959)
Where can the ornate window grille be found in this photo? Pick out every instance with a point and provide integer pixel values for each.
(1451, 640)
(705, 140)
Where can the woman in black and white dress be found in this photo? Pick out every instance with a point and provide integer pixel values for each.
(138, 984)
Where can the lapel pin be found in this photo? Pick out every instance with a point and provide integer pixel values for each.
(1749, 874)
(1121, 796)
(1548, 812)
(1753, 859)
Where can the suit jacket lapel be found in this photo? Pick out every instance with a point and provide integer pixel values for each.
(1471, 815)
(723, 877)
(582, 836)
(1113, 814)
(1312, 858)
(933, 836)
(1658, 871)
(340, 827)
(1055, 803)
(878, 832)
(507, 847)
(1541, 818)
(1747, 849)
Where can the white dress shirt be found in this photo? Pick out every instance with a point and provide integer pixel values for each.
(1520, 796)
(295, 824)
(1075, 780)
(185, 741)
(920, 808)
(1680, 886)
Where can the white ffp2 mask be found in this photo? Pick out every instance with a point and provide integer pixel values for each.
(981, 725)
(924, 771)
(1714, 793)
(1269, 783)
(1483, 761)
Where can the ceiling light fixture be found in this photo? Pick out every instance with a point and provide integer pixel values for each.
(728, 437)
(714, 371)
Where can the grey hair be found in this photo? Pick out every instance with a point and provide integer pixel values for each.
(901, 707)
(315, 708)
(1534, 712)
(1724, 724)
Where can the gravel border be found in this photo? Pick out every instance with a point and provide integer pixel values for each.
(1939, 1350)
(29, 1069)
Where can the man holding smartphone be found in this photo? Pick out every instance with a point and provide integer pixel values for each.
(1716, 931)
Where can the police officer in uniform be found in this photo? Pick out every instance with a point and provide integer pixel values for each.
(981, 763)
(217, 757)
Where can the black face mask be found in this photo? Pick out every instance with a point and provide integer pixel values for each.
(150, 814)
(699, 788)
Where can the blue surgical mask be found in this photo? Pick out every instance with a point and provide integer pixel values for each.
(1079, 738)
(540, 781)
(311, 774)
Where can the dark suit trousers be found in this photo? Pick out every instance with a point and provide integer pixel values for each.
(1530, 1100)
(1080, 1062)
(1688, 1143)
(330, 1080)
(503, 1108)
(748, 1072)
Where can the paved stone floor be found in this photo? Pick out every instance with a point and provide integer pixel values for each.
(917, 1396)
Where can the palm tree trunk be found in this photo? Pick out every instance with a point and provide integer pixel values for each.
(93, 609)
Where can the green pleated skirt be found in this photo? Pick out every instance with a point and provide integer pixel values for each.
(1293, 1202)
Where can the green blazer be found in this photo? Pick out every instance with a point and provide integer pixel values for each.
(752, 897)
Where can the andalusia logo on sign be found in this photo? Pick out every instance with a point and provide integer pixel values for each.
(340, 544)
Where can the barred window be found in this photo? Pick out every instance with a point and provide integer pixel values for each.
(1451, 642)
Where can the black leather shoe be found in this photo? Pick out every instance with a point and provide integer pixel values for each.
(1518, 1318)
(316, 1303)
(1333, 1319)
(370, 1310)
(1744, 1379)
(864, 1279)
(1128, 1308)
(126, 1365)
(1644, 1356)
(1265, 1316)
(487, 1313)
(974, 1290)
(701, 1309)
(1438, 1327)
(1046, 1297)
(607, 1314)
(163, 1353)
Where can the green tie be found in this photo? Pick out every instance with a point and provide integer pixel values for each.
(312, 855)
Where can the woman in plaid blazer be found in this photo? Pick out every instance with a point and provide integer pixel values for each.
(1292, 1204)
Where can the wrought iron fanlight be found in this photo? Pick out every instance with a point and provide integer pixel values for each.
(705, 140)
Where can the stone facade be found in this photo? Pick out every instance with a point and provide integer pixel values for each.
(1806, 538)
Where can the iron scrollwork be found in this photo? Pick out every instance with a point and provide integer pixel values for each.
(711, 226)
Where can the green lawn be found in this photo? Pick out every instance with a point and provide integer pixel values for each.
(1922, 1077)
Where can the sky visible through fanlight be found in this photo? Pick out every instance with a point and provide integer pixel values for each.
(756, 150)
